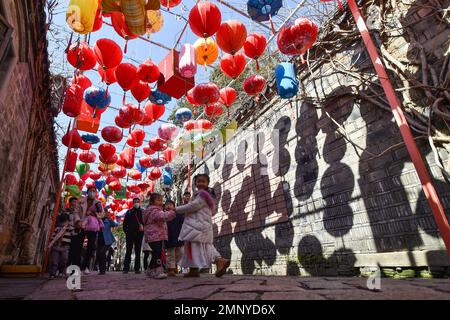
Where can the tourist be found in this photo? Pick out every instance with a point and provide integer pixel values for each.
(109, 258)
(197, 231)
(147, 251)
(60, 245)
(133, 227)
(174, 246)
(92, 225)
(105, 241)
(156, 233)
(186, 197)
(75, 226)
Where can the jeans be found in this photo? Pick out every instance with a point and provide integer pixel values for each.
(133, 240)
(59, 257)
(92, 239)
(157, 248)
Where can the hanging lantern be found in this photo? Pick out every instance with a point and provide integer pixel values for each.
(168, 131)
(254, 46)
(98, 21)
(135, 15)
(82, 168)
(190, 97)
(87, 156)
(233, 65)
(227, 96)
(112, 160)
(89, 118)
(81, 56)
(121, 27)
(107, 150)
(190, 125)
(140, 91)
(71, 161)
(105, 167)
(127, 156)
(204, 124)
(122, 123)
(170, 154)
(205, 19)
(133, 188)
(213, 110)
(254, 85)
(94, 175)
(148, 116)
(76, 139)
(148, 72)
(155, 174)
(206, 50)
(231, 36)
(135, 175)
(136, 138)
(155, 21)
(85, 146)
(188, 64)
(296, 38)
(71, 179)
(81, 80)
(148, 150)
(108, 75)
(157, 110)
(159, 98)
(170, 3)
(119, 172)
(115, 185)
(97, 98)
(157, 144)
(206, 93)
(264, 10)
(126, 75)
(108, 53)
(112, 134)
(183, 114)
(80, 15)
(90, 138)
(145, 162)
(72, 101)
(286, 79)
(131, 114)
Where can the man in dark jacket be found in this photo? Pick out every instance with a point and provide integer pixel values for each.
(133, 227)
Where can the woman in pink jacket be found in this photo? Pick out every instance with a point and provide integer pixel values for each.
(155, 233)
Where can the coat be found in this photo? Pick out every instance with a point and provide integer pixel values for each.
(92, 223)
(80, 212)
(197, 225)
(107, 233)
(133, 218)
(155, 226)
(173, 231)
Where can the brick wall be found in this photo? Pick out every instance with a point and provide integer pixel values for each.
(325, 206)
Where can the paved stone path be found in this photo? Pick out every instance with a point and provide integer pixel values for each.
(116, 285)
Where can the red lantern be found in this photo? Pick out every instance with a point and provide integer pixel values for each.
(190, 125)
(135, 175)
(73, 100)
(298, 37)
(111, 179)
(81, 80)
(170, 3)
(148, 116)
(106, 150)
(71, 179)
(85, 176)
(155, 174)
(108, 75)
(98, 21)
(206, 93)
(87, 156)
(170, 154)
(134, 188)
(111, 160)
(157, 144)
(136, 138)
(112, 134)
(76, 139)
(143, 186)
(205, 19)
(71, 161)
(204, 124)
(122, 123)
(254, 46)
(94, 175)
(233, 65)
(140, 91)
(119, 172)
(254, 85)
(157, 110)
(115, 186)
(108, 53)
(145, 162)
(148, 72)
(80, 184)
(190, 98)
(126, 75)
(120, 26)
(131, 114)
(81, 56)
(227, 96)
(148, 150)
(127, 156)
(213, 110)
(231, 36)
(85, 146)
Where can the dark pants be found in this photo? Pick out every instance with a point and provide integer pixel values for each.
(146, 255)
(133, 240)
(58, 259)
(92, 239)
(102, 250)
(76, 247)
(157, 248)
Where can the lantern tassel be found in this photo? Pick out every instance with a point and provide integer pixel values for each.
(126, 46)
(106, 91)
(271, 24)
(257, 64)
(123, 98)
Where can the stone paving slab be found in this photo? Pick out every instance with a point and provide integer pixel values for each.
(118, 286)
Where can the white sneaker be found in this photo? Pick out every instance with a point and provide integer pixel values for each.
(160, 276)
(86, 272)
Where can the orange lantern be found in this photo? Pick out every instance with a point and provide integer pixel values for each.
(231, 36)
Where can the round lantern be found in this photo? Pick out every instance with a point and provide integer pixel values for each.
(183, 114)
(126, 75)
(286, 79)
(119, 172)
(112, 134)
(206, 50)
(187, 65)
(170, 3)
(135, 15)
(107, 150)
(121, 27)
(136, 138)
(90, 138)
(205, 19)
(108, 75)
(155, 174)
(95, 175)
(140, 91)
(157, 144)
(190, 97)
(81, 56)
(157, 110)
(121, 123)
(127, 156)
(159, 97)
(231, 36)
(108, 53)
(87, 156)
(170, 154)
(85, 146)
(81, 80)
(82, 168)
(227, 96)
(190, 125)
(204, 124)
(206, 93)
(76, 139)
(148, 72)
(71, 179)
(115, 185)
(264, 10)
(213, 110)
(147, 119)
(254, 85)
(112, 160)
(254, 46)
(233, 65)
(296, 38)
(145, 162)
(135, 174)
(131, 114)
(72, 101)
(168, 131)
(80, 15)
(97, 98)
(103, 167)
(148, 150)
(155, 21)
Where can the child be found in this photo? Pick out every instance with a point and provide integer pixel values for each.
(105, 241)
(147, 250)
(174, 246)
(60, 245)
(155, 231)
(92, 225)
(197, 232)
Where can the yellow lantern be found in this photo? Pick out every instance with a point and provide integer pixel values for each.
(155, 21)
(105, 167)
(80, 15)
(134, 12)
(207, 51)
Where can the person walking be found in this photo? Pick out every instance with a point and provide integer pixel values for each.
(92, 225)
(133, 227)
(60, 245)
(105, 241)
(173, 245)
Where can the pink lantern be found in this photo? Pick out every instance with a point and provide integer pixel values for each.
(168, 131)
(188, 64)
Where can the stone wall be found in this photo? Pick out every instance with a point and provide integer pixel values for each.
(316, 204)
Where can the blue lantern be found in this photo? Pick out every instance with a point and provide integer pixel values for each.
(97, 98)
(159, 97)
(183, 114)
(264, 10)
(286, 78)
(167, 176)
(140, 168)
(99, 184)
(90, 138)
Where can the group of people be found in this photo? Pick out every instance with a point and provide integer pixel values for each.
(174, 236)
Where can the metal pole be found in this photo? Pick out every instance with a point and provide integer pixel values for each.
(414, 153)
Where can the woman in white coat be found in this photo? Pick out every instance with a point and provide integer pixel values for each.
(197, 232)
